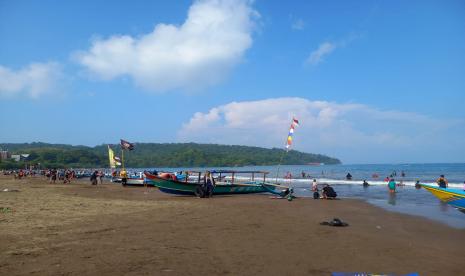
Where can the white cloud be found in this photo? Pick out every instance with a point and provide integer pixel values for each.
(33, 80)
(354, 132)
(323, 50)
(298, 24)
(196, 54)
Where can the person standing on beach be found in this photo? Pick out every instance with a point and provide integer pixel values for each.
(392, 186)
(314, 186)
(93, 178)
(442, 181)
(53, 177)
(100, 176)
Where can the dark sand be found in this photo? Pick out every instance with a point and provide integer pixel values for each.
(78, 229)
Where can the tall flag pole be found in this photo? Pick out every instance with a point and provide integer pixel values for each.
(125, 145)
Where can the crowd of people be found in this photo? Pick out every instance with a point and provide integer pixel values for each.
(55, 175)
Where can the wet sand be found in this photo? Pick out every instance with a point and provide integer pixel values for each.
(79, 229)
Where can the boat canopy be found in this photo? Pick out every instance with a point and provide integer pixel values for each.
(232, 171)
(228, 171)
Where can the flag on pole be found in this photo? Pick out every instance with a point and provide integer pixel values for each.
(126, 145)
(117, 161)
(294, 124)
(111, 157)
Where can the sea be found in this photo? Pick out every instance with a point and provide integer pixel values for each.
(407, 198)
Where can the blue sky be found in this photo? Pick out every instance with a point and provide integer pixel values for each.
(370, 81)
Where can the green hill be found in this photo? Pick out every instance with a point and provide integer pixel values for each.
(152, 155)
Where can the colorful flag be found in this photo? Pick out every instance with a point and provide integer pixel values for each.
(117, 161)
(126, 145)
(294, 124)
(111, 157)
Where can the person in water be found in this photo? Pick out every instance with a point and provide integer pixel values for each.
(417, 184)
(442, 181)
(328, 192)
(392, 185)
(349, 176)
(365, 183)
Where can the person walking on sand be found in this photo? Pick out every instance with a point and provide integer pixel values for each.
(392, 186)
(442, 181)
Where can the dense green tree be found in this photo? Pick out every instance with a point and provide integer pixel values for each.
(159, 155)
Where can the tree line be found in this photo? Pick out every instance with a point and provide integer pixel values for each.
(153, 155)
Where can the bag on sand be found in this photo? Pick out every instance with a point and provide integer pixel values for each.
(316, 195)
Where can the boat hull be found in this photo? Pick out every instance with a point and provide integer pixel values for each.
(172, 186)
(131, 181)
(453, 197)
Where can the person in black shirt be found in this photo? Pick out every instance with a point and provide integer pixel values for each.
(328, 192)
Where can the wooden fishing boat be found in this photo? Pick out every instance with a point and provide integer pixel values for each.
(169, 183)
(452, 197)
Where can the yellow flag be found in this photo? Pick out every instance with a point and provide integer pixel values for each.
(111, 158)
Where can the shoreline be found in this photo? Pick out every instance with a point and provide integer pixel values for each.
(79, 229)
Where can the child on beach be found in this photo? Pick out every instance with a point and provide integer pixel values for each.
(314, 186)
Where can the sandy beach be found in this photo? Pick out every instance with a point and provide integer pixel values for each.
(79, 229)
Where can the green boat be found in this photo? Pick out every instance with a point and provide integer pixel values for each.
(226, 182)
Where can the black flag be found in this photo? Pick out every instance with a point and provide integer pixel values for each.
(126, 145)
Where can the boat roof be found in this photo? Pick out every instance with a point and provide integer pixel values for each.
(233, 171)
(229, 171)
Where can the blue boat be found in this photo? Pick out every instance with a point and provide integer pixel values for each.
(453, 197)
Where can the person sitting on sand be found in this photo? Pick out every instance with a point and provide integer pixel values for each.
(442, 181)
(365, 183)
(392, 185)
(328, 192)
(349, 176)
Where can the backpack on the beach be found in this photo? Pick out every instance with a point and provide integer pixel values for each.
(316, 195)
